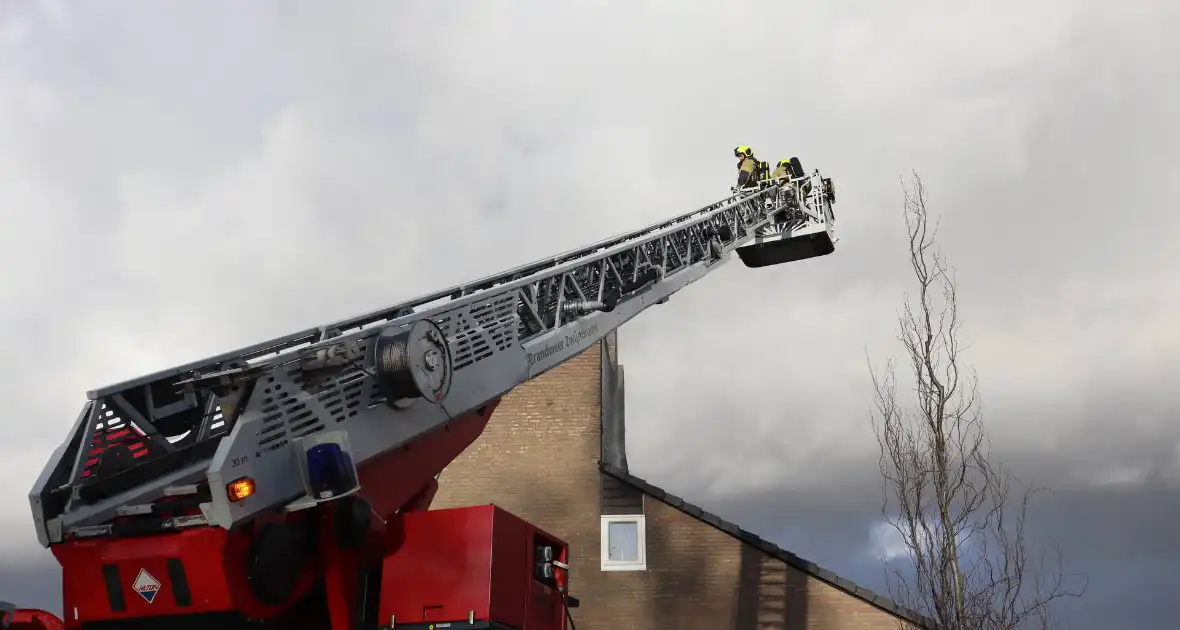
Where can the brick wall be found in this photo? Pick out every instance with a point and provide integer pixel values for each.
(538, 458)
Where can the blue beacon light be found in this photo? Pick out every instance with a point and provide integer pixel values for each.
(329, 471)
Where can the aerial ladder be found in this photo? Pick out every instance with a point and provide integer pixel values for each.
(287, 484)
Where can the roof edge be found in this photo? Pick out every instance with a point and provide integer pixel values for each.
(767, 547)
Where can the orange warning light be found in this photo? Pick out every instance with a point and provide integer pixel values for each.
(239, 489)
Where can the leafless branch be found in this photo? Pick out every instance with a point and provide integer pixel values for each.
(958, 512)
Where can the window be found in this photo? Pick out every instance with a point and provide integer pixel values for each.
(624, 542)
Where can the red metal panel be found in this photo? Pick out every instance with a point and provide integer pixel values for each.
(545, 610)
(83, 583)
(390, 481)
(213, 562)
(339, 567)
(32, 619)
(445, 565)
(442, 567)
(511, 568)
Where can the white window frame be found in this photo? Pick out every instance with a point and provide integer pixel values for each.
(604, 537)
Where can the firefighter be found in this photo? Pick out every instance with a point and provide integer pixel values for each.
(793, 169)
(782, 171)
(782, 177)
(763, 173)
(747, 167)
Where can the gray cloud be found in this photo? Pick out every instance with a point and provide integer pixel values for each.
(1102, 533)
(32, 584)
(181, 181)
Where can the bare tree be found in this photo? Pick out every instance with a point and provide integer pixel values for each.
(959, 513)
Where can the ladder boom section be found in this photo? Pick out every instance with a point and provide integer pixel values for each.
(384, 377)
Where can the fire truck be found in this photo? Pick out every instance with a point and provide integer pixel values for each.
(287, 484)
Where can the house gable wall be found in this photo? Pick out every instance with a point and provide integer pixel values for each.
(539, 459)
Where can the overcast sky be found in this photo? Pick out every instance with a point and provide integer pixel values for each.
(181, 178)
